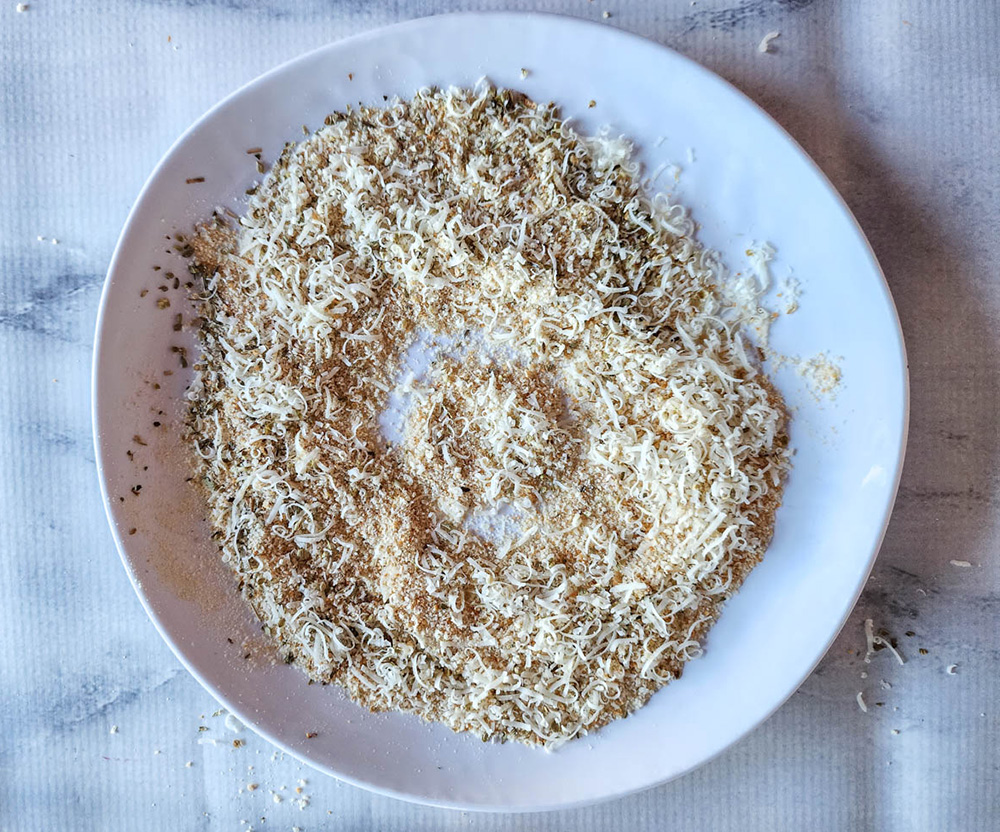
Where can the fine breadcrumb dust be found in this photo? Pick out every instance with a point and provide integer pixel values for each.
(581, 481)
(822, 374)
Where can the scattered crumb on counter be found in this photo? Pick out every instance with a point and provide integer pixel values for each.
(951, 669)
(964, 564)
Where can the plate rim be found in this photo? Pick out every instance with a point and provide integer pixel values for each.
(395, 28)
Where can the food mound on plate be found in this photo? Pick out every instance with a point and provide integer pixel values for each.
(480, 436)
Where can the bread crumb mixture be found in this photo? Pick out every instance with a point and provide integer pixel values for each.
(582, 479)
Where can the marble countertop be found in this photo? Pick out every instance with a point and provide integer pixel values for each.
(100, 726)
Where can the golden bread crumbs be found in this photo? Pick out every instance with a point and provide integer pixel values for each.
(586, 471)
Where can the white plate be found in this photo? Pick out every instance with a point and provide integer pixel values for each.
(749, 181)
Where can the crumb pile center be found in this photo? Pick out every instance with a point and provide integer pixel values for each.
(573, 487)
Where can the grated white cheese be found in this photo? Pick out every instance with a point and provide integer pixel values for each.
(607, 398)
(964, 564)
(790, 290)
(861, 702)
(874, 641)
(765, 42)
(745, 293)
(822, 374)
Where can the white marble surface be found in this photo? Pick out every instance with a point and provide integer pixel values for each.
(899, 102)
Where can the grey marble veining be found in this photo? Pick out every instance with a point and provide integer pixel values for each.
(899, 103)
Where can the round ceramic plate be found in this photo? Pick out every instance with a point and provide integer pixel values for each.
(744, 180)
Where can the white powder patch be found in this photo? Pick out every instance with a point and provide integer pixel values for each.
(822, 374)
